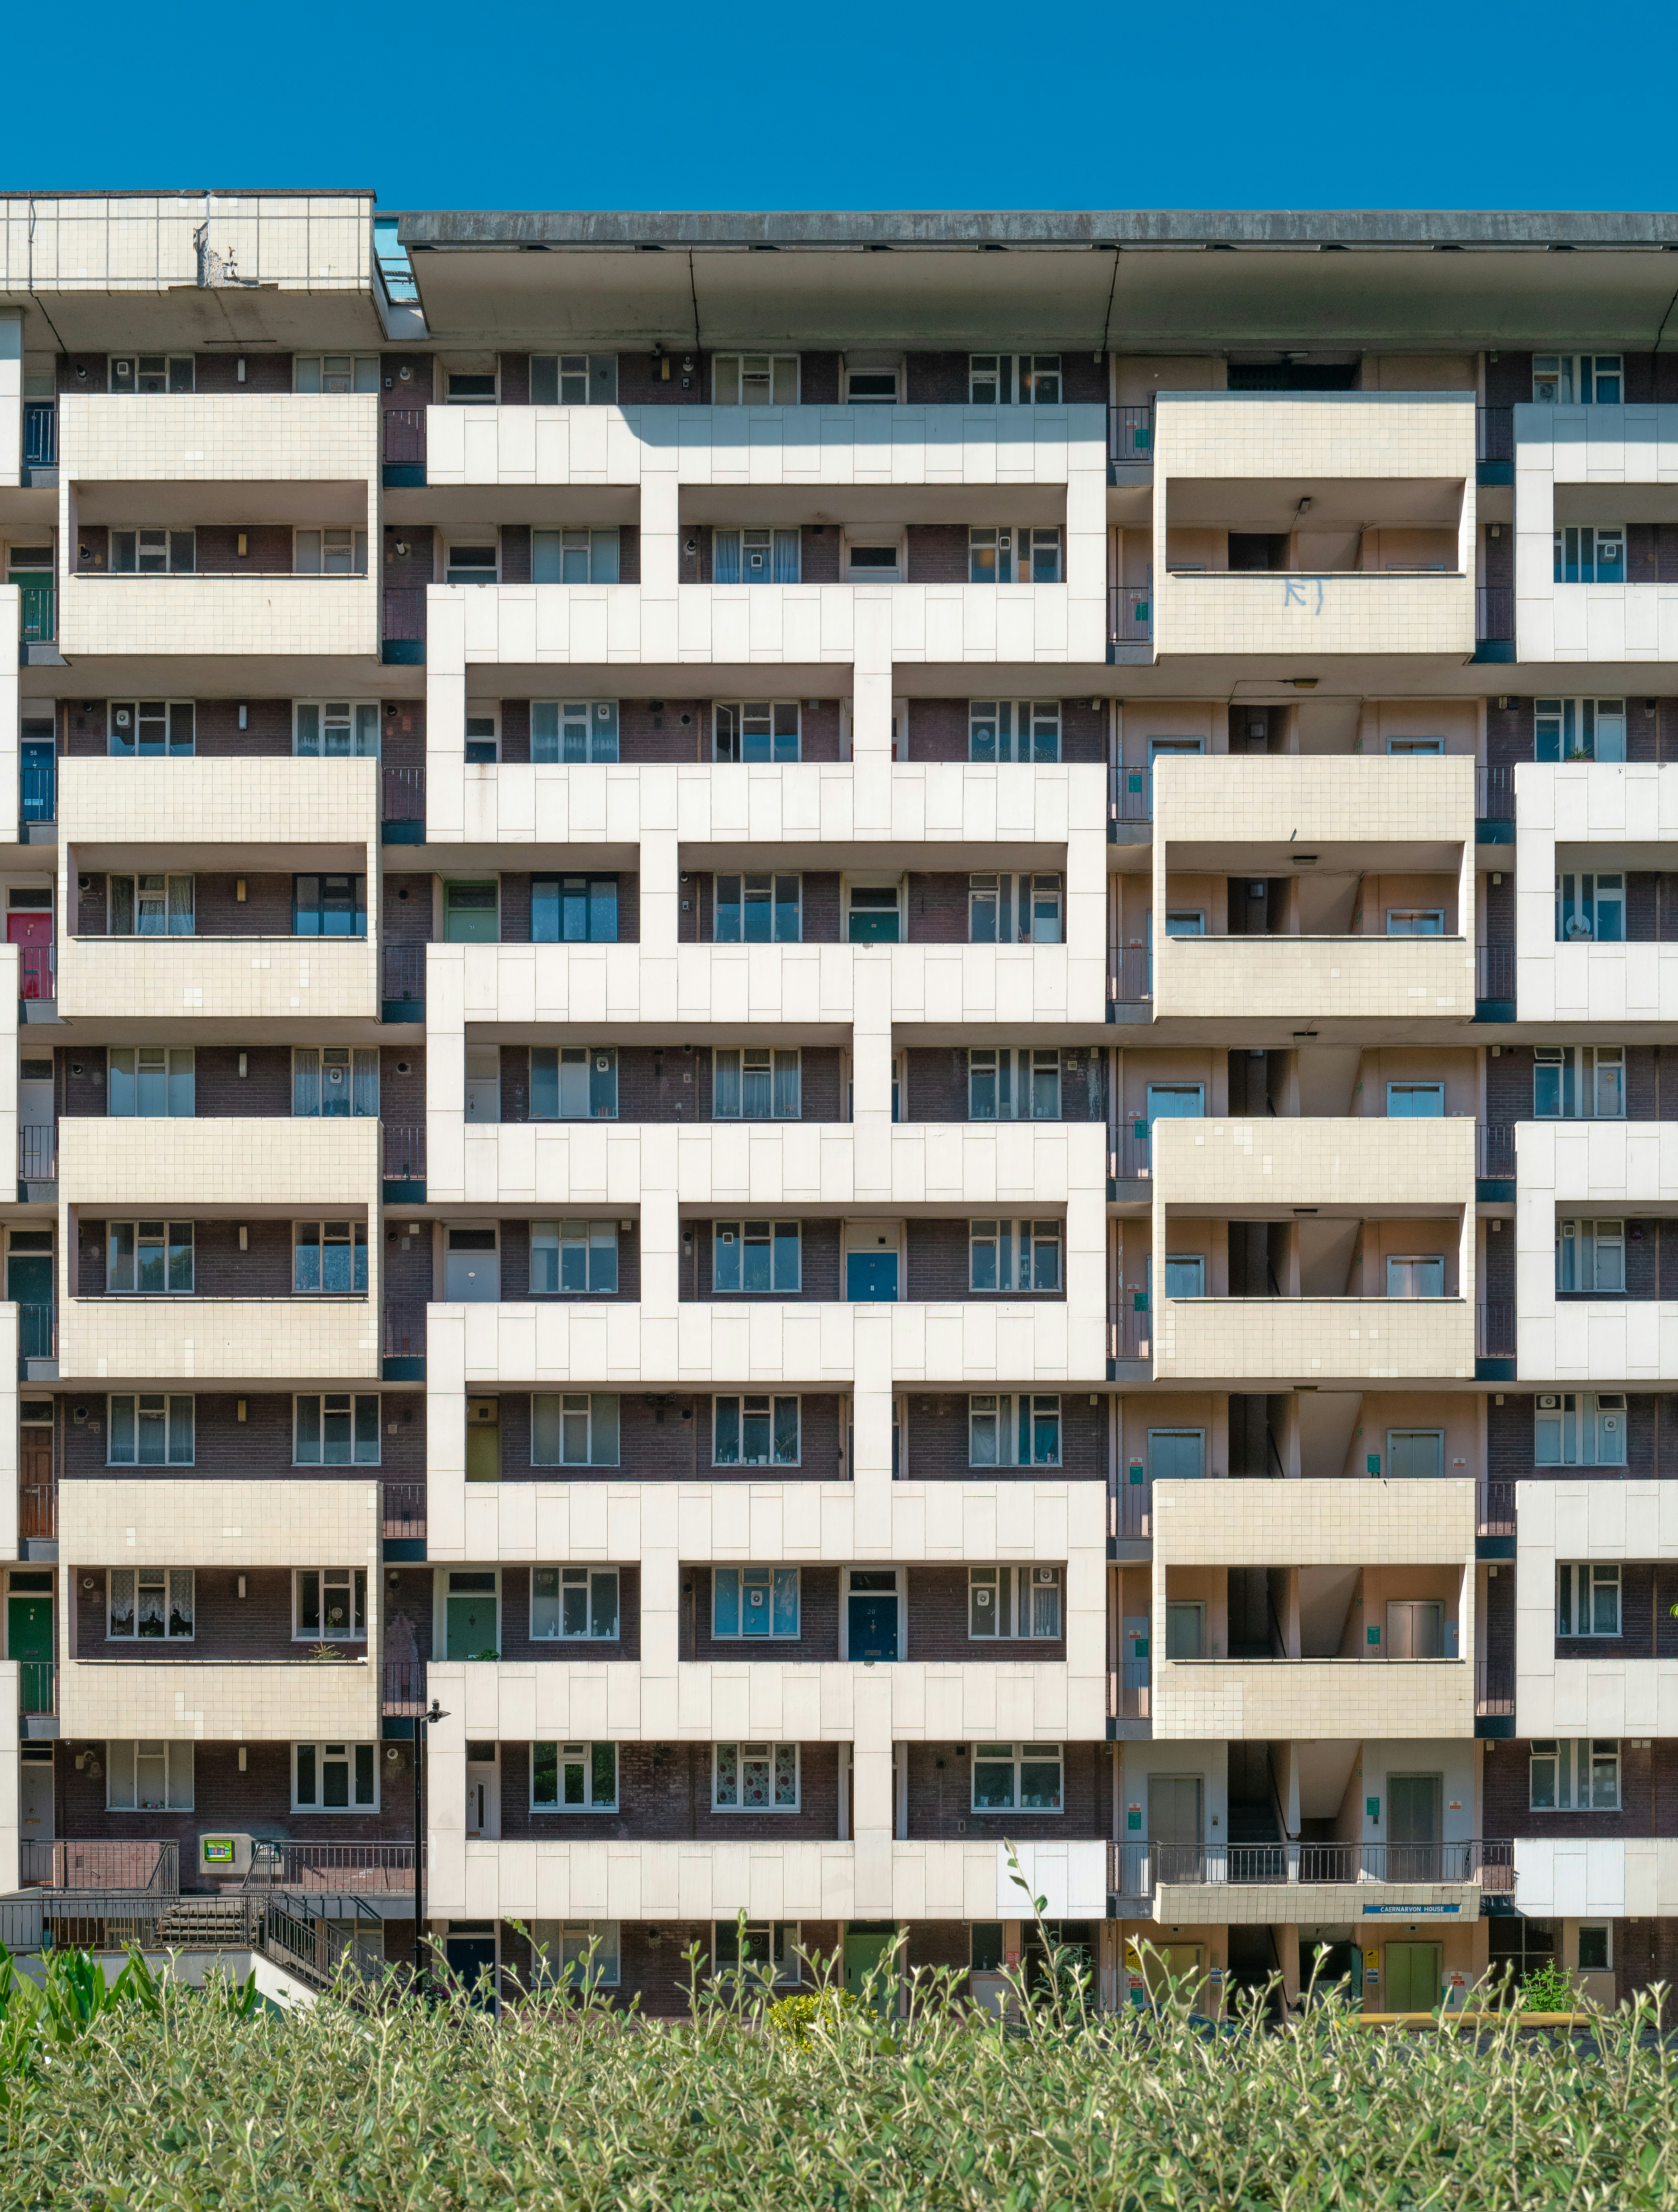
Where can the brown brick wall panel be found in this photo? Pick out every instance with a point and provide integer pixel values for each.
(419, 388)
(938, 908)
(819, 553)
(264, 911)
(414, 567)
(264, 372)
(641, 385)
(407, 910)
(404, 741)
(514, 385)
(819, 1265)
(936, 380)
(1509, 737)
(515, 552)
(258, 1800)
(938, 1624)
(938, 1440)
(645, 734)
(941, 1798)
(267, 549)
(664, 1796)
(937, 553)
(1509, 381)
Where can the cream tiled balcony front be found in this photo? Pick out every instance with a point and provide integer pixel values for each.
(167, 1520)
(222, 444)
(1311, 1699)
(269, 1166)
(272, 619)
(129, 984)
(1313, 1522)
(1366, 1162)
(186, 1339)
(1240, 1341)
(1341, 979)
(288, 814)
(220, 1700)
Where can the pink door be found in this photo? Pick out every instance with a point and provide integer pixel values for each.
(33, 933)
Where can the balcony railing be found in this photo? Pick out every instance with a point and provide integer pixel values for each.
(37, 972)
(1497, 1509)
(404, 974)
(1493, 971)
(38, 623)
(340, 1866)
(1131, 798)
(1494, 794)
(404, 795)
(40, 434)
(37, 1686)
(1130, 1330)
(1494, 433)
(37, 1151)
(1131, 614)
(37, 792)
(1494, 1689)
(403, 1689)
(1137, 1869)
(1130, 433)
(404, 1151)
(143, 1865)
(37, 1332)
(1129, 975)
(404, 614)
(1127, 1691)
(1494, 1150)
(1129, 1156)
(405, 436)
(1494, 613)
(1494, 1329)
(1130, 1508)
(404, 1332)
(37, 1509)
(404, 1509)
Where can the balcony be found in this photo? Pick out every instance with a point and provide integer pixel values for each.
(100, 1863)
(403, 626)
(1223, 1165)
(403, 1537)
(404, 447)
(1293, 1882)
(228, 1700)
(403, 808)
(1264, 1700)
(1316, 1522)
(331, 1869)
(274, 1161)
(1370, 979)
(1494, 622)
(298, 982)
(297, 1341)
(37, 1162)
(324, 812)
(1276, 1340)
(1494, 445)
(153, 619)
(224, 443)
(40, 442)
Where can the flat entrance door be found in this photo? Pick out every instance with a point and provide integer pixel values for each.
(866, 1943)
(1413, 1976)
(31, 929)
(483, 1083)
(473, 1625)
(483, 1791)
(1179, 1967)
(472, 1267)
(35, 1802)
(1413, 1826)
(472, 1962)
(871, 1613)
(29, 1641)
(483, 1440)
(1176, 1814)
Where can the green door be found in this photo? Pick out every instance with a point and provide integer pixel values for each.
(1412, 1976)
(35, 592)
(29, 1641)
(866, 1943)
(471, 1625)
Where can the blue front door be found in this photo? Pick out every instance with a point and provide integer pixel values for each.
(871, 1622)
(470, 1957)
(870, 1277)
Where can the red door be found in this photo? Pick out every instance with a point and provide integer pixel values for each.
(33, 933)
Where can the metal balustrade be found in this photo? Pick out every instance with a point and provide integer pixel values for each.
(1137, 1869)
(1131, 614)
(1130, 433)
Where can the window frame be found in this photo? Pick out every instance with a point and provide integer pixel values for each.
(156, 1577)
(737, 359)
(598, 1061)
(1007, 894)
(578, 1754)
(759, 1752)
(356, 716)
(1607, 1412)
(354, 1581)
(1015, 1244)
(1562, 1754)
(185, 913)
(551, 1968)
(1004, 548)
(179, 1778)
(1590, 905)
(179, 550)
(164, 1237)
(1578, 547)
(598, 1236)
(358, 1064)
(756, 553)
(782, 1951)
(573, 368)
(1005, 1409)
(600, 729)
(758, 890)
(1574, 729)
(365, 372)
(1017, 1756)
(175, 384)
(775, 1583)
(1015, 1073)
(358, 1402)
(583, 553)
(1008, 1587)
(1579, 1585)
(356, 911)
(1581, 1073)
(348, 1752)
(573, 1574)
(1582, 1242)
(356, 1243)
(1015, 727)
(784, 1076)
(1015, 378)
(169, 713)
(568, 1409)
(324, 554)
(753, 1405)
(171, 1402)
(738, 747)
(741, 1235)
(1575, 376)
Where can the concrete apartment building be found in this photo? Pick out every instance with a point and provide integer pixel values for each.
(757, 899)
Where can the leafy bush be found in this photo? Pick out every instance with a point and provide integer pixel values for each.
(800, 2018)
(1546, 1988)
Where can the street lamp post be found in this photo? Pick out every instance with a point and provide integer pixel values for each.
(420, 1725)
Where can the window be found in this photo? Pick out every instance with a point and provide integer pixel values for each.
(755, 1432)
(151, 729)
(154, 552)
(874, 913)
(1175, 1102)
(1013, 379)
(573, 380)
(572, 730)
(336, 1428)
(1580, 1428)
(1415, 921)
(335, 1777)
(1590, 908)
(1014, 1602)
(1587, 1601)
(759, 910)
(150, 1602)
(873, 559)
(872, 379)
(1020, 1085)
(475, 563)
(572, 556)
(570, 1954)
(329, 1256)
(574, 1604)
(1575, 1777)
(329, 906)
(1578, 729)
(755, 1083)
(752, 730)
(1412, 746)
(573, 1777)
(1014, 1255)
(573, 1083)
(755, 1256)
(1415, 1275)
(754, 380)
(1415, 1102)
(334, 1082)
(1176, 1454)
(150, 1431)
(1595, 1947)
(574, 1428)
(329, 553)
(1014, 729)
(754, 556)
(1018, 1777)
(1180, 923)
(754, 1601)
(151, 372)
(1591, 554)
(483, 741)
(1008, 557)
(1415, 1454)
(761, 1944)
(336, 729)
(1014, 1431)
(573, 909)
(754, 1777)
(150, 906)
(1186, 1275)
(149, 1259)
(1578, 1081)
(1591, 380)
(1591, 1257)
(470, 388)
(150, 1081)
(572, 1256)
(334, 372)
(148, 1776)
(329, 1604)
(1009, 909)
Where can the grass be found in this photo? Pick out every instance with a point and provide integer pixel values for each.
(162, 2097)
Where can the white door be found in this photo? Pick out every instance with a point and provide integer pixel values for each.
(35, 1803)
(472, 1269)
(484, 1794)
(483, 1083)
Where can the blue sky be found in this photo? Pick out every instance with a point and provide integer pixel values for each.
(1295, 104)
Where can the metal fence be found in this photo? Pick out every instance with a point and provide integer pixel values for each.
(403, 1688)
(404, 435)
(404, 1143)
(1137, 1869)
(404, 795)
(36, 972)
(1493, 971)
(1130, 613)
(404, 613)
(1494, 1150)
(1494, 1689)
(1496, 1509)
(37, 792)
(1129, 975)
(1130, 432)
(404, 1509)
(405, 973)
(1494, 433)
(404, 1332)
(37, 1151)
(1494, 613)
(333, 1868)
(40, 434)
(1130, 1332)
(1494, 1329)
(37, 1332)
(1131, 796)
(37, 1509)
(1130, 1155)
(101, 1863)
(36, 1687)
(1494, 794)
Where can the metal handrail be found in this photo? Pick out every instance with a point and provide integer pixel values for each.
(1494, 433)
(404, 974)
(37, 1151)
(38, 793)
(1129, 975)
(37, 969)
(1496, 1509)
(1493, 971)
(1494, 613)
(404, 795)
(40, 434)
(1129, 1154)
(1130, 613)
(403, 1689)
(404, 1149)
(1130, 432)
(333, 1868)
(109, 1863)
(404, 611)
(1494, 1329)
(404, 1509)
(404, 1332)
(1494, 1689)
(36, 1687)
(1494, 794)
(404, 435)
(1136, 1868)
(1494, 1146)
(37, 1509)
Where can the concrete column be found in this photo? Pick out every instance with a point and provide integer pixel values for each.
(661, 887)
(445, 718)
(661, 1626)
(445, 1435)
(872, 1809)
(871, 1447)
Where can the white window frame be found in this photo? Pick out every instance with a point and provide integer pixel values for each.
(1590, 545)
(1010, 1595)
(598, 1241)
(345, 1753)
(1580, 1424)
(583, 554)
(758, 1753)
(1014, 1247)
(1011, 546)
(759, 553)
(163, 1237)
(158, 890)
(1569, 379)
(584, 730)
(758, 892)
(778, 1943)
(757, 1588)
(152, 1402)
(742, 1235)
(753, 1405)
(333, 550)
(745, 378)
(1015, 380)
(167, 1580)
(1019, 731)
(570, 1056)
(1414, 748)
(855, 365)
(1578, 729)
(603, 1431)
(569, 1954)
(351, 1071)
(348, 1582)
(1014, 1072)
(168, 714)
(592, 1581)
(156, 552)
(1576, 1784)
(173, 1063)
(1018, 1756)
(1585, 1073)
(346, 1236)
(1605, 1929)
(124, 1790)
(732, 1064)
(330, 1404)
(580, 379)
(1590, 1253)
(472, 572)
(334, 375)
(731, 746)
(1002, 1411)
(580, 1755)
(128, 374)
(1009, 897)
(1578, 1586)
(358, 718)
(479, 373)
(1588, 904)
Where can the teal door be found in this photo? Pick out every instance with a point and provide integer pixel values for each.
(29, 1641)
(472, 1961)
(870, 1277)
(29, 1284)
(472, 1625)
(866, 1944)
(871, 1614)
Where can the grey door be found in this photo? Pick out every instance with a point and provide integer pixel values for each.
(1414, 1804)
(1415, 1628)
